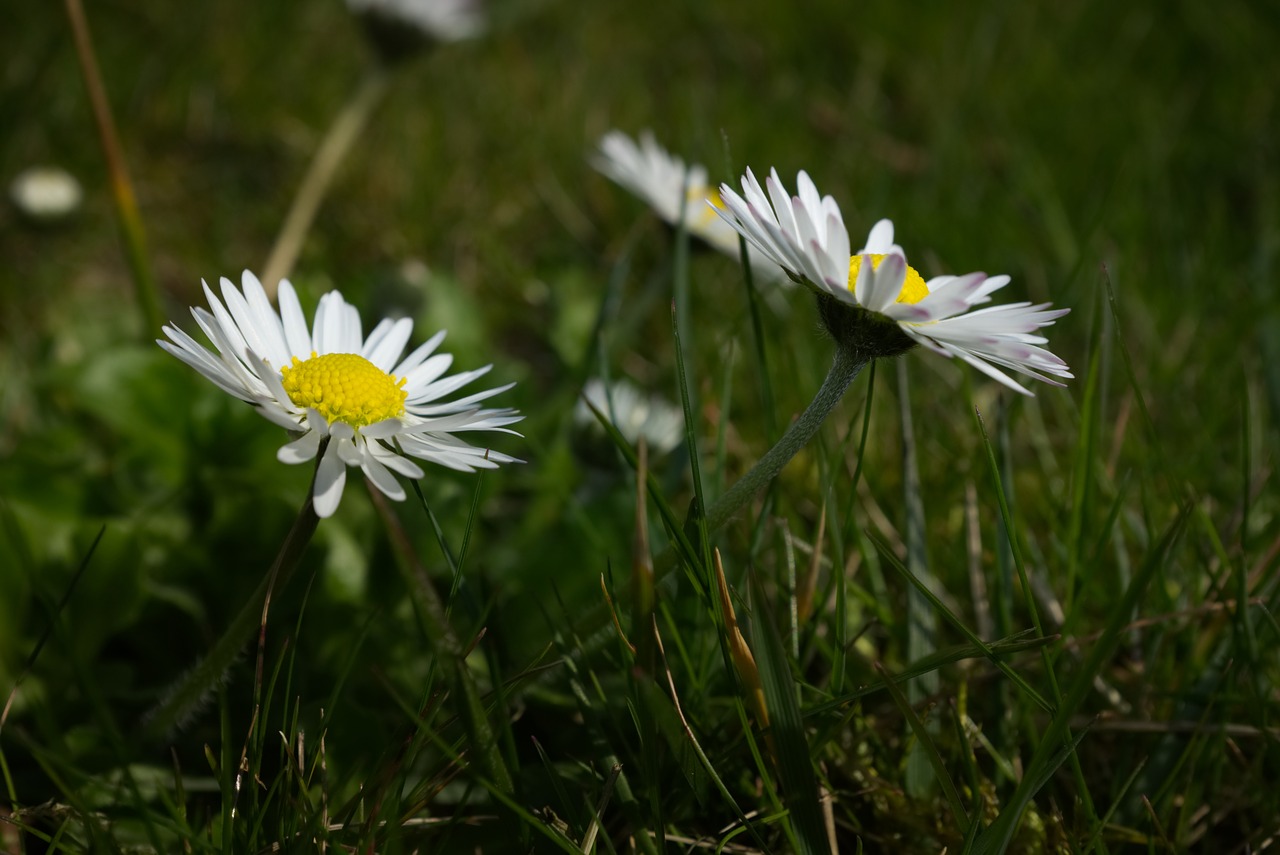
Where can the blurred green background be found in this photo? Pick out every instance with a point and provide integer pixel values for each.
(1068, 145)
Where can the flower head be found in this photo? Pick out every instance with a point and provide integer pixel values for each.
(45, 194)
(330, 382)
(674, 190)
(878, 301)
(399, 28)
(633, 412)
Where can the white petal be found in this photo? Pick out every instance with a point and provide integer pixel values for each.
(296, 335)
(380, 477)
(886, 281)
(331, 477)
(301, 449)
(880, 240)
(386, 343)
(414, 359)
(382, 429)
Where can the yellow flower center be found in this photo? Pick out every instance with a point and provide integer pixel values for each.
(710, 194)
(913, 288)
(344, 387)
(696, 200)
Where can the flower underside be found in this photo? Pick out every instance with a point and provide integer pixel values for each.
(913, 288)
(344, 387)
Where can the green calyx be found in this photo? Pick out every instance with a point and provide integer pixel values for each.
(866, 334)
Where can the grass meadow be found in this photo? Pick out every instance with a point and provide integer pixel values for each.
(960, 620)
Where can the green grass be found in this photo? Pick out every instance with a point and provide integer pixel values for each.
(1049, 628)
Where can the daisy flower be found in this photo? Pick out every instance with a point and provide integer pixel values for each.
(633, 412)
(399, 28)
(673, 189)
(806, 236)
(331, 382)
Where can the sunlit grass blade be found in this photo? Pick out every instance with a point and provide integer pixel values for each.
(342, 134)
(126, 202)
(1013, 540)
(997, 837)
(1086, 459)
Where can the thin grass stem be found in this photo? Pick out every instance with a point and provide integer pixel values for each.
(126, 202)
(338, 140)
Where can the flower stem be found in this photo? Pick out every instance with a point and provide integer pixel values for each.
(187, 696)
(338, 140)
(844, 369)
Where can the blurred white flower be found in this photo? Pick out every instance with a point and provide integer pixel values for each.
(45, 193)
(806, 235)
(401, 27)
(633, 412)
(333, 383)
(673, 189)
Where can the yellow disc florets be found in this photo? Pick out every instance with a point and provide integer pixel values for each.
(698, 195)
(913, 288)
(344, 387)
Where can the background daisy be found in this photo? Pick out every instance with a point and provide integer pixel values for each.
(675, 191)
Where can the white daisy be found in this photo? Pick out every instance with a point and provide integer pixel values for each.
(673, 189)
(806, 235)
(46, 193)
(433, 20)
(633, 412)
(332, 382)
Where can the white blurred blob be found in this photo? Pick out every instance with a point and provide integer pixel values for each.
(634, 413)
(401, 27)
(46, 193)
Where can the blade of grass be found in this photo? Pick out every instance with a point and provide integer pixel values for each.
(926, 744)
(342, 134)
(1057, 744)
(438, 628)
(887, 554)
(48, 631)
(799, 786)
(126, 202)
(1015, 550)
(946, 656)
(184, 698)
(922, 620)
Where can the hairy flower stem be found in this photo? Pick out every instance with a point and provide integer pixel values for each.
(849, 362)
(844, 369)
(189, 693)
